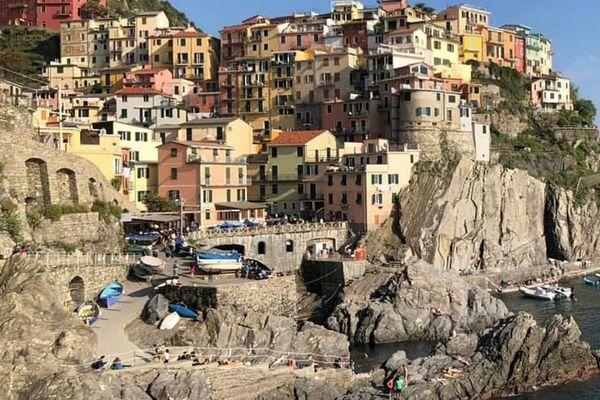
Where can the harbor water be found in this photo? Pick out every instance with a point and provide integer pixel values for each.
(585, 311)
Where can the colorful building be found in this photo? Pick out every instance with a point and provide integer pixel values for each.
(363, 187)
(41, 13)
(551, 93)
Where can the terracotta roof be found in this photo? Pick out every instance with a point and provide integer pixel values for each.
(234, 27)
(137, 91)
(190, 33)
(296, 138)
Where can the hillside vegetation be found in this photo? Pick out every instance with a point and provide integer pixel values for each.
(127, 8)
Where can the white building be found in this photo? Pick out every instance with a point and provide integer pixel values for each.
(551, 93)
(148, 107)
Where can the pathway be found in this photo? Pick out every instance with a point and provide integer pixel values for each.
(110, 328)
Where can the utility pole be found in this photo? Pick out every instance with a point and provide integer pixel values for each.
(181, 217)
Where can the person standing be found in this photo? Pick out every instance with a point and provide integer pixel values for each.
(176, 269)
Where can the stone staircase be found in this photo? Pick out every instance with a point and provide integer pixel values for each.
(246, 383)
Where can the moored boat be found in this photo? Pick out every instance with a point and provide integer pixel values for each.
(111, 294)
(170, 321)
(538, 293)
(561, 292)
(142, 272)
(218, 256)
(183, 311)
(89, 312)
(591, 281)
(220, 266)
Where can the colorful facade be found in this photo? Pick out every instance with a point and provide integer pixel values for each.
(41, 13)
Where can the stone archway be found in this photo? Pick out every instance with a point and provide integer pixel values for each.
(67, 186)
(38, 184)
(77, 291)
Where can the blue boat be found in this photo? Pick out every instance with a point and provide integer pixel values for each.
(230, 225)
(183, 311)
(111, 294)
(229, 256)
(591, 281)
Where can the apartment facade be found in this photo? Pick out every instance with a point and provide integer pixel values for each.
(41, 13)
(551, 93)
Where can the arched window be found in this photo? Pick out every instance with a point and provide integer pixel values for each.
(262, 248)
(289, 246)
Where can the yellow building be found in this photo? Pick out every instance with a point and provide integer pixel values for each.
(346, 11)
(194, 56)
(230, 131)
(297, 162)
(101, 149)
(471, 47)
(140, 148)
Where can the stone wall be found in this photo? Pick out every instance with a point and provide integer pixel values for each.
(325, 276)
(430, 141)
(507, 124)
(95, 278)
(278, 295)
(277, 254)
(70, 229)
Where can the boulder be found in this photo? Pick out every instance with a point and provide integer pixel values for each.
(416, 303)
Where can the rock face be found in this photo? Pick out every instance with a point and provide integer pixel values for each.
(572, 230)
(399, 306)
(234, 328)
(477, 216)
(515, 356)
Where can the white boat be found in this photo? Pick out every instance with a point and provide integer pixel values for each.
(561, 292)
(537, 293)
(221, 266)
(170, 321)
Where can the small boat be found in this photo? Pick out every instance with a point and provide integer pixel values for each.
(220, 266)
(89, 312)
(591, 281)
(142, 272)
(561, 292)
(183, 311)
(170, 321)
(537, 293)
(218, 256)
(156, 264)
(111, 294)
(597, 275)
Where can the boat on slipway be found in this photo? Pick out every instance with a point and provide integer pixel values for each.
(89, 312)
(111, 294)
(538, 293)
(217, 262)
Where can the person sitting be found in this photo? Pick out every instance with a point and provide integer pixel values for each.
(117, 364)
(222, 362)
(183, 357)
(99, 364)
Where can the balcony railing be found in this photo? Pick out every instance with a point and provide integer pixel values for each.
(197, 158)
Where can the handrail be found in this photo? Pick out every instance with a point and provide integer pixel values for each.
(270, 229)
(65, 259)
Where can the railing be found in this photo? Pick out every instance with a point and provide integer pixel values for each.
(270, 229)
(67, 260)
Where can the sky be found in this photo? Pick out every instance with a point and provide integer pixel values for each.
(573, 26)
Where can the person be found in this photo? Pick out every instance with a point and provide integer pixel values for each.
(168, 252)
(353, 367)
(99, 364)
(116, 364)
(183, 357)
(337, 363)
(166, 356)
(176, 269)
(401, 382)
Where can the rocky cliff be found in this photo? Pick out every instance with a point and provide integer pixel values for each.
(418, 303)
(517, 355)
(490, 218)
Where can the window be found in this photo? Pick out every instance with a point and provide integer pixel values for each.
(261, 248)
(174, 195)
(300, 151)
(393, 179)
(336, 61)
(343, 180)
(450, 47)
(188, 134)
(358, 198)
(329, 180)
(289, 246)
(437, 45)
(282, 39)
(173, 152)
(207, 196)
(220, 133)
(358, 180)
(451, 99)
(274, 152)
(330, 198)
(274, 189)
(377, 198)
(300, 188)
(376, 179)
(207, 215)
(173, 173)
(241, 195)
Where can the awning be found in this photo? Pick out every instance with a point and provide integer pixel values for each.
(156, 218)
(240, 205)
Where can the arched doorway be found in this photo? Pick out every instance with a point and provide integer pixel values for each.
(37, 182)
(67, 186)
(77, 291)
(229, 247)
(262, 248)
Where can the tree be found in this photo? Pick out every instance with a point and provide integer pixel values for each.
(93, 9)
(586, 109)
(156, 203)
(568, 118)
(424, 8)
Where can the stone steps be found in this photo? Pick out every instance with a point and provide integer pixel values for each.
(245, 383)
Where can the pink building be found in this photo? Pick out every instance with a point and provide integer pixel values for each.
(520, 53)
(348, 120)
(41, 13)
(148, 77)
(363, 188)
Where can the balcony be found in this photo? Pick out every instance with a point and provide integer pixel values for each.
(326, 83)
(198, 159)
(209, 182)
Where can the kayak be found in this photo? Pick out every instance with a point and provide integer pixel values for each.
(111, 294)
(183, 311)
(170, 321)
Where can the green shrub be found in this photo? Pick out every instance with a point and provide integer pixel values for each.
(34, 218)
(10, 223)
(107, 211)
